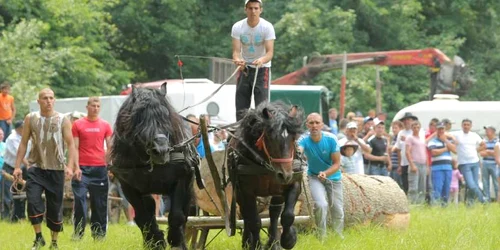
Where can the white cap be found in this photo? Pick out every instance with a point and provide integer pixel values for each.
(377, 121)
(352, 125)
(249, 1)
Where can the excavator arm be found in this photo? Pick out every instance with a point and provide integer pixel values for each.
(433, 58)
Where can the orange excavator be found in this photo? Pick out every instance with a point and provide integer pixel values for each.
(447, 76)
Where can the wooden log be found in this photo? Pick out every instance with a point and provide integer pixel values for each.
(374, 199)
(218, 222)
(207, 199)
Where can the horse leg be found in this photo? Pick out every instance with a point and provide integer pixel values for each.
(145, 219)
(289, 234)
(177, 218)
(274, 213)
(251, 221)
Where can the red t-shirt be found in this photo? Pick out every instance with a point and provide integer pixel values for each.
(91, 135)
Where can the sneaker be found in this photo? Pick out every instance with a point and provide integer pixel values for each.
(38, 243)
(131, 223)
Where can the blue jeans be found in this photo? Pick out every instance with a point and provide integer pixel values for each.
(470, 172)
(95, 182)
(416, 184)
(6, 129)
(489, 170)
(328, 201)
(378, 170)
(6, 195)
(395, 176)
(441, 181)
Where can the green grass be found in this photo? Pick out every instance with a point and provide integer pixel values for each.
(431, 228)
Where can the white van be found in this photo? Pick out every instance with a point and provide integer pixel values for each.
(481, 113)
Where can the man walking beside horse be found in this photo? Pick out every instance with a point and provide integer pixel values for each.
(89, 134)
(49, 131)
(323, 160)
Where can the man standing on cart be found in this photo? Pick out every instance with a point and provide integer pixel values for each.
(253, 48)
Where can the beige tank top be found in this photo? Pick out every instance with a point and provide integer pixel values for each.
(47, 151)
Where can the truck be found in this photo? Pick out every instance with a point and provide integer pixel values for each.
(184, 95)
(481, 113)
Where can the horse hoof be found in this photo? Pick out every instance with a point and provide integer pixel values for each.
(178, 248)
(289, 238)
(158, 245)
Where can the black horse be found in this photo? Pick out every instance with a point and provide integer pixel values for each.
(264, 148)
(149, 157)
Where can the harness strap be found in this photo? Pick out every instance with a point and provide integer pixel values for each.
(258, 158)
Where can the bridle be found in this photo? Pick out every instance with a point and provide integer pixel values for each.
(261, 145)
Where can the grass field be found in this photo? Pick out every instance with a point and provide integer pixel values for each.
(477, 227)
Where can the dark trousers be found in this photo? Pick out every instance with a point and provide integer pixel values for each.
(95, 182)
(404, 178)
(244, 89)
(52, 183)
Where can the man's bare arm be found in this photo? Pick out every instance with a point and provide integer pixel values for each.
(76, 141)
(237, 59)
(269, 45)
(13, 107)
(70, 143)
(108, 149)
(335, 166)
(23, 146)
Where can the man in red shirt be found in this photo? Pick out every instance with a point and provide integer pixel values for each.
(89, 134)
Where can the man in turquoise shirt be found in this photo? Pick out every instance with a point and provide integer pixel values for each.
(323, 159)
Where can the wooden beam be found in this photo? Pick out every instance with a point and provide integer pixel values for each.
(218, 222)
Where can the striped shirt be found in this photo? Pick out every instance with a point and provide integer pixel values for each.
(442, 161)
(490, 145)
(394, 155)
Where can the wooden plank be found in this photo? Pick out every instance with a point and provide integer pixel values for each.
(218, 222)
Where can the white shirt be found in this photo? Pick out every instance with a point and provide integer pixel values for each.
(252, 39)
(357, 157)
(400, 144)
(11, 146)
(467, 145)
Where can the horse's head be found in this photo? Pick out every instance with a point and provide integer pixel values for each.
(147, 122)
(274, 129)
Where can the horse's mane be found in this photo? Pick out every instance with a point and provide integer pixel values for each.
(279, 119)
(145, 112)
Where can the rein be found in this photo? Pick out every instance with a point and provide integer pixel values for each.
(258, 159)
(261, 145)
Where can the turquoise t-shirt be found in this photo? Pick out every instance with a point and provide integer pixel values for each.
(201, 149)
(2, 153)
(319, 154)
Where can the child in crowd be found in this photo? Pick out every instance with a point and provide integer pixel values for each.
(347, 151)
(455, 177)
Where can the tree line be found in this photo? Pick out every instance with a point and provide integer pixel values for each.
(90, 47)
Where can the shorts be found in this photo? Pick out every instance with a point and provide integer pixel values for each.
(52, 183)
(453, 189)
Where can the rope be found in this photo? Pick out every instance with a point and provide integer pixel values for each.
(213, 93)
(253, 87)
(18, 186)
(204, 57)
